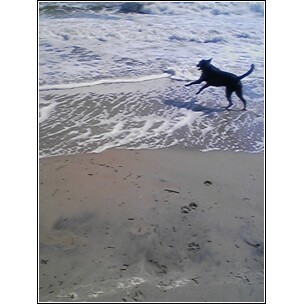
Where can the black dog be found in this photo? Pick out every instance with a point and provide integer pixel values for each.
(217, 78)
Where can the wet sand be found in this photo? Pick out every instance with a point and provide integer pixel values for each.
(152, 225)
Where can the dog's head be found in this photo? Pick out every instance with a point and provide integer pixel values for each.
(203, 64)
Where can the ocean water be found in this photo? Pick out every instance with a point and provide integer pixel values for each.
(113, 75)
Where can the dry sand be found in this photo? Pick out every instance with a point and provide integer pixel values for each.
(152, 225)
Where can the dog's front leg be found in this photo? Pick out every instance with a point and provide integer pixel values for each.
(200, 80)
(202, 88)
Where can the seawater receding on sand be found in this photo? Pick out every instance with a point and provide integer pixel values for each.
(133, 282)
(130, 282)
(110, 287)
(113, 287)
(156, 114)
(174, 284)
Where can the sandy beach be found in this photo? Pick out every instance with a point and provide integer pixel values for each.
(152, 225)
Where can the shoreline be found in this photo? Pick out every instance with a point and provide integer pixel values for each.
(152, 225)
(189, 149)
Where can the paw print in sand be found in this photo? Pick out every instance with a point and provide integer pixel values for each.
(193, 246)
(187, 209)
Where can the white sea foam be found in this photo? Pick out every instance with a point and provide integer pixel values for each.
(46, 111)
(101, 81)
(182, 73)
(111, 45)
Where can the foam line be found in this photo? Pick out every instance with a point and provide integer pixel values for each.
(101, 81)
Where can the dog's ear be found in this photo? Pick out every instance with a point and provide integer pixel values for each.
(209, 60)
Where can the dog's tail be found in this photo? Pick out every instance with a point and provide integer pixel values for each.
(247, 73)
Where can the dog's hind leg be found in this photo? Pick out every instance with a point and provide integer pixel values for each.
(229, 92)
(239, 93)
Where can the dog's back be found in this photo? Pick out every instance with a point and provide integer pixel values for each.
(217, 78)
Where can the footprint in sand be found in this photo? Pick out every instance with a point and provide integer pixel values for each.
(187, 209)
(193, 206)
(207, 183)
(193, 246)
